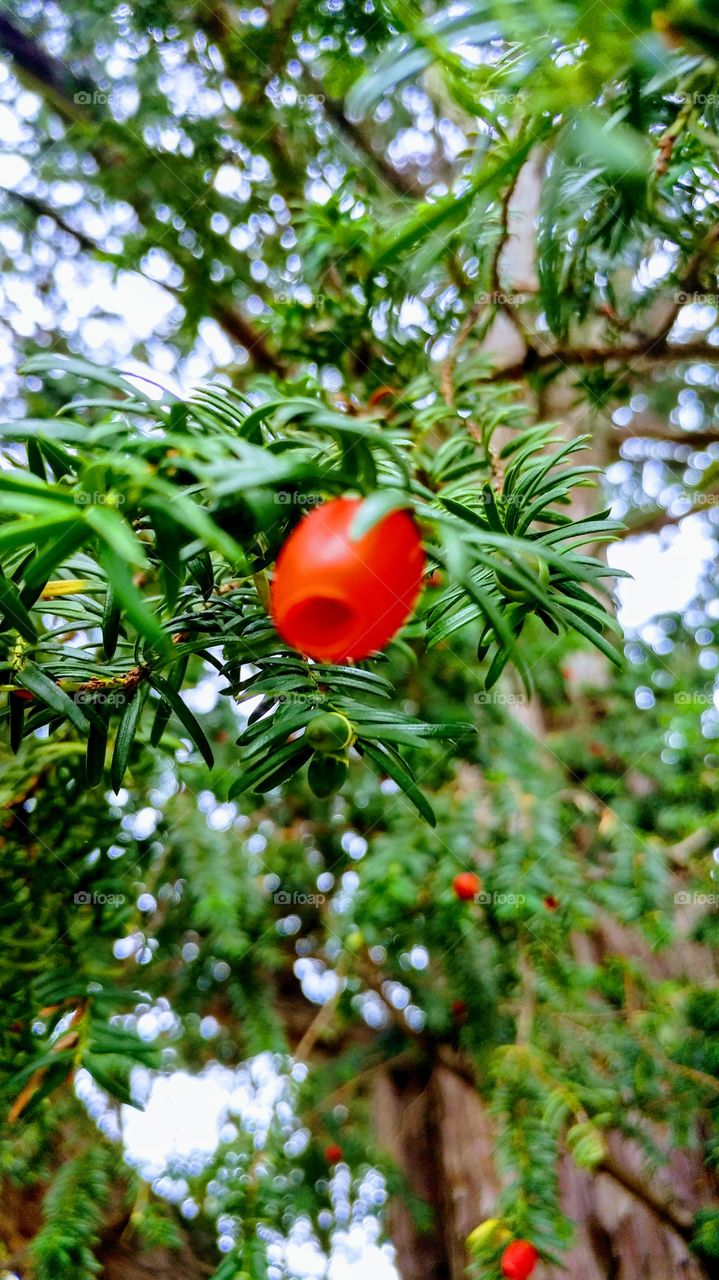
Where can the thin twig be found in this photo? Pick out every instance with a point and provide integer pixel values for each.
(679, 1220)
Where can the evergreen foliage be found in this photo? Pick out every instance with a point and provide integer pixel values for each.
(330, 197)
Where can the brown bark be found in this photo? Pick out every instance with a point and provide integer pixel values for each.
(435, 1126)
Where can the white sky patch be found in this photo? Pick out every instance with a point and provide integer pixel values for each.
(357, 1265)
(218, 343)
(142, 305)
(654, 269)
(182, 1118)
(155, 381)
(12, 129)
(12, 171)
(665, 567)
(202, 698)
(696, 317)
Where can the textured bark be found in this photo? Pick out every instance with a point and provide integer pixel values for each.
(438, 1131)
(433, 1127)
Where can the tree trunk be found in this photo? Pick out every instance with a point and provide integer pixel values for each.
(437, 1129)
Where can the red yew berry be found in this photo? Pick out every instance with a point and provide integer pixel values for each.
(333, 1153)
(466, 885)
(335, 597)
(519, 1260)
(550, 902)
(459, 1010)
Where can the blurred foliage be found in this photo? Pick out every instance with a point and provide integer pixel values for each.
(310, 208)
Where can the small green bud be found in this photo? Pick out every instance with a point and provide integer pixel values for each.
(534, 566)
(329, 732)
(327, 773)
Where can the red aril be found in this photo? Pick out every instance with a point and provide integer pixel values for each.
(519, 1260)
(334, 598)
(466, 885)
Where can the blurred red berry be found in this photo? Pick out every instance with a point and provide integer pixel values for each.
(519, 1260)
(336, 597)
(333, 1153)
(466, 885)
(551, 903)
(459, 1009)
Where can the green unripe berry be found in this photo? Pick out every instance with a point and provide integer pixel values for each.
(326, 773)
(535, 567)
(329, 732)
